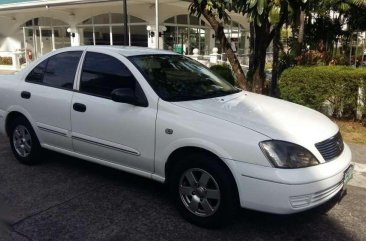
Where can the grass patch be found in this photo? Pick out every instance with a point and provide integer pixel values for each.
(352, 132)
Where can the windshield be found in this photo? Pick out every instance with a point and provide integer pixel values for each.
(177, 78)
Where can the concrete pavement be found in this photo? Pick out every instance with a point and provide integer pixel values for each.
(359, 159)
(6, 72)
(65, 198)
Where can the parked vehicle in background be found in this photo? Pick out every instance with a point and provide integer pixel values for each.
(166, 117)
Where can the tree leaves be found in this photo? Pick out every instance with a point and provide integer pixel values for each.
(258, 11)
(274, 15)
(344, 7)
(260, 6)
(252, 3)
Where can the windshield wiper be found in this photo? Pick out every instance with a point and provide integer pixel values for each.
(213, 94)
(222, 93)
(184, 98)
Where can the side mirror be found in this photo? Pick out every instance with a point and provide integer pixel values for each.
(128, 96)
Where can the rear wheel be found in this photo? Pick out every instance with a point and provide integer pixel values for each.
(203, 190)
(24, 142)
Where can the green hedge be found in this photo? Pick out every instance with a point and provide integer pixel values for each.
(225, 72)
(315, 86)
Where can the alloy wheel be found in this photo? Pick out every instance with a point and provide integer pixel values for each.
(199, 192)
(22, 141)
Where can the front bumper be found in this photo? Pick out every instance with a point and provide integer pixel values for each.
(285, 191)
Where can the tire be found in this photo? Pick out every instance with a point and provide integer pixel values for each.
(203, 190)
(24, 142)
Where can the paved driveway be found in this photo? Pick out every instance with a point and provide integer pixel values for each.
(6, 71)
(69, 199)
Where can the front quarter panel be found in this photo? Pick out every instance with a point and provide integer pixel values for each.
(193, 129)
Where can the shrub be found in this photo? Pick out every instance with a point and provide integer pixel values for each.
(363, 99)
(225, 72)
(315, 86)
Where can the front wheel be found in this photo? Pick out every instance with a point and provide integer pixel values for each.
(203, 190)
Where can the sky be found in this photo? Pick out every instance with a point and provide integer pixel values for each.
(17, 1)
(13, 1)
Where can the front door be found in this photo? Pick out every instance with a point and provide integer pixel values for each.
(118, 133)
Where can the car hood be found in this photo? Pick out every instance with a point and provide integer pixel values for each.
(274, 118)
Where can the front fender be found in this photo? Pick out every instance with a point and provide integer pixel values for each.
(178, 127)
(162, 159)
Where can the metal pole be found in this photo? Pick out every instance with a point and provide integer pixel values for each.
(125, 38)
(182, 42)
(53, 36)
(363, 52)
(157, 24)
(129, 31)
(35, 44)
(110, 29)
(93, 31)
(40, 39)
(25, 46)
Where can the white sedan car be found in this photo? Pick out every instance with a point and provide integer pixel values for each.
(166, 117)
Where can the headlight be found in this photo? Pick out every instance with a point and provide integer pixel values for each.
(287, 155)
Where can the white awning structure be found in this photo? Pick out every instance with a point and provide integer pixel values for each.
(38, 27)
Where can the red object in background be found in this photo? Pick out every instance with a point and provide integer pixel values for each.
(29, 54)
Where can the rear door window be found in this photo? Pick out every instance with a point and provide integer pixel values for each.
(57, 71)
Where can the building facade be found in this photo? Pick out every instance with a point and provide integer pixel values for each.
(34, 28)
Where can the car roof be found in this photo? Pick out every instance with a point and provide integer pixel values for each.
(124, 50)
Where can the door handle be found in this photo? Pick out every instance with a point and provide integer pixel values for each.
(25, 95)
(79, 107)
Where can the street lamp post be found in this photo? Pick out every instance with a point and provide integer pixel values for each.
(157, 31)
(125, 23)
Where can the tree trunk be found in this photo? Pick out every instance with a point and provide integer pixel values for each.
(275, 64)
(259, 75)
(300, 40)
(261, 42)
(251, 46)
(234, 62)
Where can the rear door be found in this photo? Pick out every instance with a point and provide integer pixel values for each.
(47, 93)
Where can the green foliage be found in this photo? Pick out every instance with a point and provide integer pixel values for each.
(261, 11)
(313, 86)
(6, 61)
(258, 11)
(312, 57)
(225, 72)
(217, 8)
(357, 18)
(363, 99)
(325, 29)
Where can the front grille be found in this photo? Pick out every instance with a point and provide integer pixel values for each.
(331, 147)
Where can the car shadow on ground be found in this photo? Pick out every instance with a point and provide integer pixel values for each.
(79, 200)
